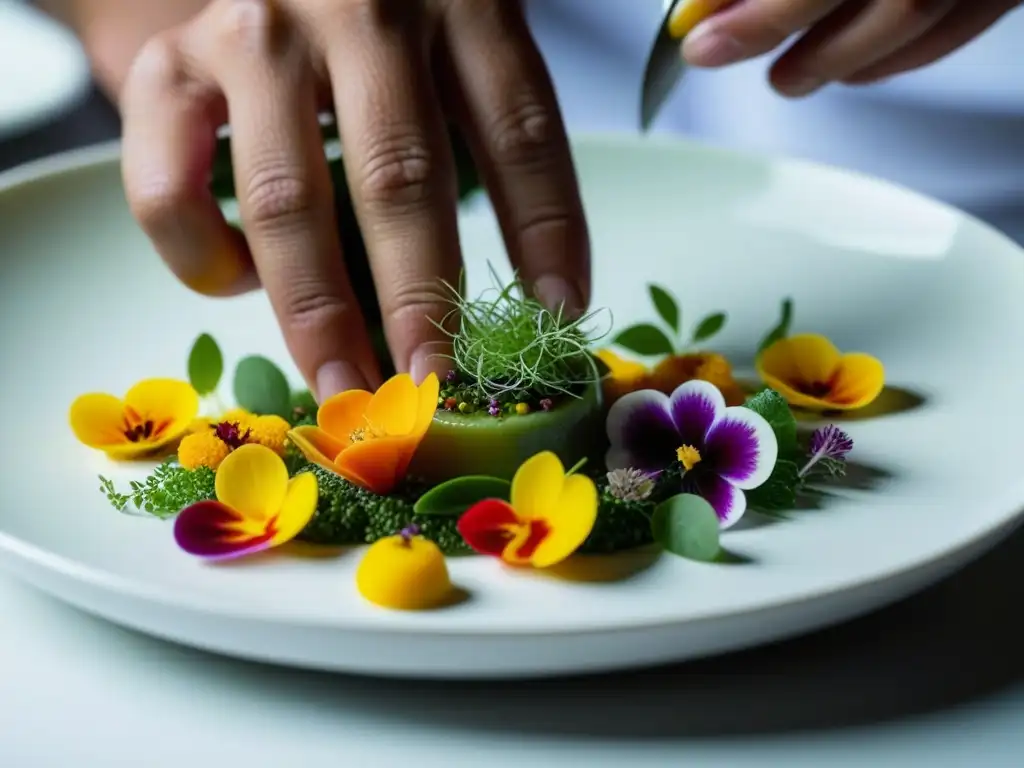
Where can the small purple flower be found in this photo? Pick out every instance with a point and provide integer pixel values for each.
(494, 408)
(546, 404)
(409, 532)
(452, 376)
(830, 443)
(724, 451)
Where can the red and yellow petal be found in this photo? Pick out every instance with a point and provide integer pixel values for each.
(214, 531)
(489, 526)
(168, 402)
(570, 525)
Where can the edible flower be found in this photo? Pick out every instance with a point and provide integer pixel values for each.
(550, 515)
(625, 376)
(257, 507)
(811, 373)
(829, 447)
(405, 572)
(720, 450)
(369, 439)
(154, 414)
(211, 442)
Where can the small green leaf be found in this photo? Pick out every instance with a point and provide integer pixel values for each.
(645, 339)
(778, 493)
(261, 387)
(666, 306)
(452, 498)
(205, 365)
(781, 330)
(709, 326)
(776, 412)
(686, 525)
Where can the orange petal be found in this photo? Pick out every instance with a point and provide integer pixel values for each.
(316, 445)
(800, 360)
(98, 420)
(537, 485)
(252, 480)
(342, 414)
(394, 407)
(377, 464)
(858, 381)
(297, 509)
(167, 401)
(427, 405)
(571, 524)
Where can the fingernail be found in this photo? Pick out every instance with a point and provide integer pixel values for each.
(804, 85)
(556, 293)
(337, 376)
(706, 46)
(430, 357)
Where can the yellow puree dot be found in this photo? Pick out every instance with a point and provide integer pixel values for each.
(688, 456)
(404, 575)
(202, 449)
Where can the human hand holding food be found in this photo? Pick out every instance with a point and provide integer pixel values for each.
(848, 41)
(398, 72)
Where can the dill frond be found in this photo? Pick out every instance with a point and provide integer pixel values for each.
(507, 342)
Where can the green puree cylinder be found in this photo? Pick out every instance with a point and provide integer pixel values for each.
(479, 444)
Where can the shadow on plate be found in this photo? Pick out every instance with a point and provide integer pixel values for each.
(954, 643)
(891, 402)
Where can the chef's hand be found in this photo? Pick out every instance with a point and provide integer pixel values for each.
(848, 41)
(397, 70)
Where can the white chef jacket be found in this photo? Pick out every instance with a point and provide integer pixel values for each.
(954, 130)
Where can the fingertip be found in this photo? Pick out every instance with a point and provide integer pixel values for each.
(430, 357)
(338, 376)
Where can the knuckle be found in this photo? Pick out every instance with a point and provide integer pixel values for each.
(157, 201)
(276, 195)
(412, 303)
(307, 307)
(246, 26)
(525, 134)
(158, 67)
(397, 171)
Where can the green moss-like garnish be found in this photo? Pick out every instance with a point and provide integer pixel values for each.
(507, 343)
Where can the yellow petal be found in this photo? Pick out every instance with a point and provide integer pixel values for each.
(427, 405)
(619, 367)
(297, 509)
(252, 480)
(800, 360)
(98, 420)
(571, 523)
(169, 401)
(858, 381)
(794, 396)
(342, 414)
(537, 485)
(689, 13)
(395, 406)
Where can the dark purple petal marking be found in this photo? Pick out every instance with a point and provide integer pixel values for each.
(728, 501)
(732, 450)
(641, 432)
(696, 406)
(208, 529)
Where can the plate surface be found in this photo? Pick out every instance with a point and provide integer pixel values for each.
(85, 305)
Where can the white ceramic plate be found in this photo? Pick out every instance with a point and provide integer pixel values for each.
(85, 305)
(42, 68)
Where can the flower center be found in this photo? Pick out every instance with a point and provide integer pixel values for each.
(818, 389)
(357, 435)
(688, 456)
(230, 433)
(138, 430)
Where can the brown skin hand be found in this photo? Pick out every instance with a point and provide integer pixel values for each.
(113, 31)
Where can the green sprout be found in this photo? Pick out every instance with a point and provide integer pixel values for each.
(508, 343)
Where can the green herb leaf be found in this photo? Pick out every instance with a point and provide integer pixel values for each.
(776, 412)
(261, 387)
(686, 525)
(452, 498)
(205, 365)
(666, 306)
(778, 493)
(645, 339)
(709, 326)
(781, 330)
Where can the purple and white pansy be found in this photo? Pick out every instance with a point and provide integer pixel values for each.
(723, 451)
